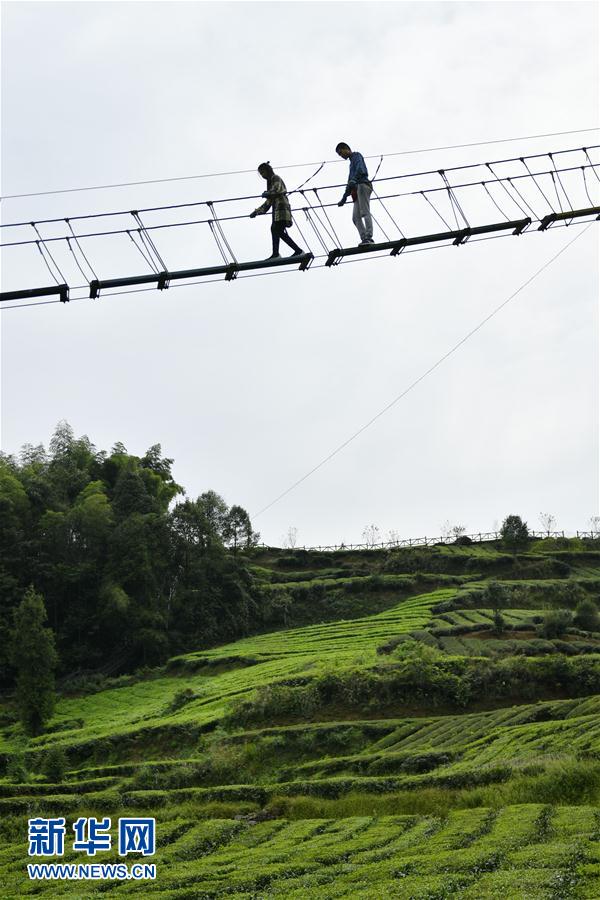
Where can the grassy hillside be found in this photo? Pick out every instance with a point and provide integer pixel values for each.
(389, 737)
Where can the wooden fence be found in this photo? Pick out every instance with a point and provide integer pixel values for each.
(477, 538)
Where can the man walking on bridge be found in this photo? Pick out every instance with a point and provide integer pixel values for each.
(359, 188)
(276, 199)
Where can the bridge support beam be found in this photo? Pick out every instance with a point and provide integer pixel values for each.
(62, 290)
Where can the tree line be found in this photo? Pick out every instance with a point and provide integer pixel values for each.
(114, 566)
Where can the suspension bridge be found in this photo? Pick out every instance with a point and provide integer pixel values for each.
(415, 211)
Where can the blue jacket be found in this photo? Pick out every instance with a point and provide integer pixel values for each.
(358, 172)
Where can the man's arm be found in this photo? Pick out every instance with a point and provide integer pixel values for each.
(263, 208)
(348, 189)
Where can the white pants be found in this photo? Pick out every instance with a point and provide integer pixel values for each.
(362, 211)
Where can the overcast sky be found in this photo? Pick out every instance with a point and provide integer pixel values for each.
(248, 385)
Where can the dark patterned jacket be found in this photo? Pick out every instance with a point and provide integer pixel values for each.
(277, 200)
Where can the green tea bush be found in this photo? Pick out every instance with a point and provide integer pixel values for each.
(411, 763)
(570, 649)
(55, 764)
(571, 594)
(16, 769)
(181, 699)
(556, 622)
(586, 615)
(423, 677)
(393, 643)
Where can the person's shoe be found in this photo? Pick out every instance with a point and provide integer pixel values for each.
(274, 256)
(297, 252)
(369, 241)
(365, 241)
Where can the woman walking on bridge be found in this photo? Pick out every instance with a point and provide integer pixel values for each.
(276, 199)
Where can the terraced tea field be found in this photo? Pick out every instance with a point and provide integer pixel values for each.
(518, 852)
(404, 752)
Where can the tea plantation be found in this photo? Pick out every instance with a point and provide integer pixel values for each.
(420, 723)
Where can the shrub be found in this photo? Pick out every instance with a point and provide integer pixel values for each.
(181, 698)
(586, 616)
(55, 764)
(392, 643)
(567, 648)
(556, 623)
(16, 770)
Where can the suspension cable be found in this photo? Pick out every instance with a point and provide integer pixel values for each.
(435, 210)
(47, 250)
(214, 233)
(505, 189)
(68, 240)
(142, 250)
(537, 186)
(315, 217)
(81, 249)
(329, 205)
(585, 184)
(376, 195)
(498, 207)
(304, 239)
(148, 240)
(99, 187)
(520, 195)
(585, 150)
(322, 187)
(310, 178)
(421, 377)
(218, 225)
(569, 206)
(327, 217)
(315, 229)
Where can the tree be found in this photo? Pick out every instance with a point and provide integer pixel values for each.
(55, 764)
(371, 535)
(452, 531)
(35, 658)
(499, 622)
(496, 596)
(548, 521)
(215, 511)
(130, 494)
(586, 616)
(291, 537)
(514, 533)
(237, 529)
(31, 455)
(62, 440)
(156, 471)
(192, 528)
(556, 622)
